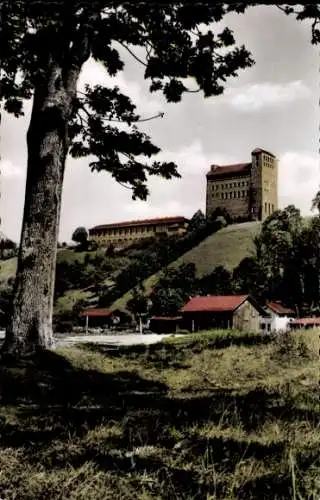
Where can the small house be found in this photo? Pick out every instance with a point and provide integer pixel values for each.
(278, 319)
(241, 312)
(305, 323)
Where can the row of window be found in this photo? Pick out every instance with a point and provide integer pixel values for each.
(229, 185)
(127, 230)
(137, 230)
(268, 160)
(231, 195)
(268, 208)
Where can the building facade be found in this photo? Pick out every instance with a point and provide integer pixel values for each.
(246, 190)
(278, 319)
(124, 233)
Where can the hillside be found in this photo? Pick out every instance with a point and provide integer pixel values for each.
(225, 248)
(218, 415)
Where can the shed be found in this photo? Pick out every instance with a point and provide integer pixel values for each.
(100, 317)
(241, 312)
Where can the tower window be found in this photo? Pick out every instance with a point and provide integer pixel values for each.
(265, 207)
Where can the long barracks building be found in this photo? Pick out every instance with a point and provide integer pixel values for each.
(123, 233)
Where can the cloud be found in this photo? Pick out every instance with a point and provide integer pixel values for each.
(141, 209)
(299, 178)
(9, 170)
(93, 73)
(191, 159)
(255, 97)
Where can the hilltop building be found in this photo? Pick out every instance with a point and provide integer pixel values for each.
(122, 233)
(246, 190)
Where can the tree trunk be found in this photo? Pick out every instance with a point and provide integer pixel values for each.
(30, 325)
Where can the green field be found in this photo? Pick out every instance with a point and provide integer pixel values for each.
(217, 415)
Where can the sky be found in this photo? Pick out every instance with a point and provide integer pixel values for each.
(273, 105)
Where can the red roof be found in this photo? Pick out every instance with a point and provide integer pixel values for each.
(278, 308)
(144, 222)
(306, 321)
(229, 170)
(214, 303)
(166, 318)
(96, 312)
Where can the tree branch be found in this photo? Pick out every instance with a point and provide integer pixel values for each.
(132, 53)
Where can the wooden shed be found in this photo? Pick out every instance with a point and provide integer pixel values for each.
(241, 312)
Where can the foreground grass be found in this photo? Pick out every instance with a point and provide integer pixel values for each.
(218, 415)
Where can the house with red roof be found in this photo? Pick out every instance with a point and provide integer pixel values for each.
(279, 317)
(241, 312)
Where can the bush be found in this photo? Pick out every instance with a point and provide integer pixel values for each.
(64, 323)
(292, 345)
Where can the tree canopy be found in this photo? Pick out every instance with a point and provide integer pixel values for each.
(176, 44)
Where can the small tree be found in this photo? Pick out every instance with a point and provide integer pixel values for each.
(80, 235)
(138, 304)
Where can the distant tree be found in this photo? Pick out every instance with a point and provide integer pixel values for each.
(79, 306)
(220, 212)
(110, 252)
(80, 235)
(173, 289)
(316, 202)
(197, 222)
(138, 304)
(216, 283)
(8, 248)
(248, 277)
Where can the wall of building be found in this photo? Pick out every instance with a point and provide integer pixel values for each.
(275, 323)
(246, 318)
(124, 235)
(254, 195)
(231, 193)
(264, 183)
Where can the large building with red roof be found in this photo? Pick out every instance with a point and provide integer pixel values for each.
(247, 190)
(123, 233)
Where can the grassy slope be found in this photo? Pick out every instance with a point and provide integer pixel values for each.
(213, 416)
(225, 248)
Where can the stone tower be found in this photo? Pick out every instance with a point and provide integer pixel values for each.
(246, 190)
(264, 184)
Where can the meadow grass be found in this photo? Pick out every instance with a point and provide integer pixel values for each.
(213, 415)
